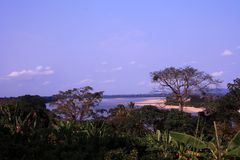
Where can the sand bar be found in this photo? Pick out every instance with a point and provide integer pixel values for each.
(161, 104)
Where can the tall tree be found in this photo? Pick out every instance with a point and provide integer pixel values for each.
(76, 104)
(226, 109)
(182, 82)
(234, 90)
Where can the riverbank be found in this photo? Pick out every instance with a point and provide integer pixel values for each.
(160, 103)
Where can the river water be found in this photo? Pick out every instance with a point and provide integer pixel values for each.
(108, 103)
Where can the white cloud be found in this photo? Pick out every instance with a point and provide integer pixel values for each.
(84, 81)
(227, 53)
(117, 69)
(217, 73)
(109, 81)
(132, 62)
(46, 83)
(39, 70)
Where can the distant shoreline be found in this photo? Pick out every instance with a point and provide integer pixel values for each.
(160, 103)
(135, 95)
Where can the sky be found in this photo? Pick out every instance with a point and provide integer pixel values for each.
(48, 46)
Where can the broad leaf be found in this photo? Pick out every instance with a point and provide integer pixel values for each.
(188, 140)
(235, 142)
(235, 152)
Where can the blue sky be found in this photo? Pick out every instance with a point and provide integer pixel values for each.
(47, 46)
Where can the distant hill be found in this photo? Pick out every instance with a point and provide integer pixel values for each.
(218, 91)
(135, 95)
(215, 91)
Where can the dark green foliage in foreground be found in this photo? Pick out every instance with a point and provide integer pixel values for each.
(28, 131)
(125, 134)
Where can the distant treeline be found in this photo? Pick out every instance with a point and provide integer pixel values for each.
(50, 98)
(136, 95)
(215, 92)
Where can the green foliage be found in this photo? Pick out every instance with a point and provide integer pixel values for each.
(30, 132)
(30, 102)
(225, 111)
(218, 150)
(119, 154)
(231, 101)
(183, 82)
(97, 128)
(233, 148)
(234, 89)
(188, 140)
(180, 121)
(24, 119)
(161, 144)
(76, 104)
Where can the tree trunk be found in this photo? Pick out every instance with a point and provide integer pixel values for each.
(181, 104)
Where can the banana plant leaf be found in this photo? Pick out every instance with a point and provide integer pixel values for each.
(188, 140)
(234, 152)
(235, 141)
(234, 146)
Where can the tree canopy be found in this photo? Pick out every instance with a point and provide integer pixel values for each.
(234, 90)
(76, 104)
(183, 82)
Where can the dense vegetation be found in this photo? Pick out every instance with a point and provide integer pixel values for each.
(74, 130)
(183, 82)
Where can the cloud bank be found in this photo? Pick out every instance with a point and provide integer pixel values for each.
(39, 70)
(227, 53)
(84, 81)
(217, 73)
